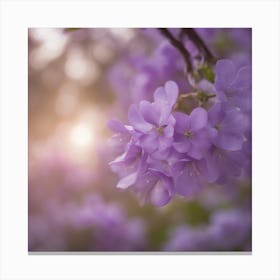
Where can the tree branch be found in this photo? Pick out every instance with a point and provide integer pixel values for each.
(179, 46)
(195, 38)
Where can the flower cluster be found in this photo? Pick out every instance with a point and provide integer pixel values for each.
(168, 151)
(228, 230)
(179, 105)
(65, 214)
(92, 223)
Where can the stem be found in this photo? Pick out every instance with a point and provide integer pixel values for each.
(194, 94)
(179, 46)
(193, 36)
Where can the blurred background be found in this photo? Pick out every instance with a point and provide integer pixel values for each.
(78, 79)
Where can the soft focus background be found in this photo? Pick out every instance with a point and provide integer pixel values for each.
(79, 79)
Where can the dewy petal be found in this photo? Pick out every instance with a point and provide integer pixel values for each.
(144, 184)
(198, 119)
(126, 162)
(172, 91)
(127, 181)
(160, 194)
(149, 112)
(182, 122)
(229, 141)
(188, 182)
(131, 153)
(225, 72)
(161, 155)
(137, 120)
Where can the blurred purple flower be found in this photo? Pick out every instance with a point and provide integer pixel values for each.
(111, 229)
(186, 238)
(230, 230)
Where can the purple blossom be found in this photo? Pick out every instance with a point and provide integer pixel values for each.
(227, 230)
(223, 166)
(106, 224)
(229, 126)
(184, 142)
(186, 238)
(189, 177)
(230, 230)
(191, 137)
(136, 77)
(110, 229)
(154, 121)
(233, 85)
(154, 187)
(181, 153)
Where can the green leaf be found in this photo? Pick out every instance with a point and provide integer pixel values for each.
(207, 72)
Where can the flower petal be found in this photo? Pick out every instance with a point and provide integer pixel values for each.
(209, 168)
(235, 121)
(172, 91)
(149, 142)
(200, 143)
(160, 96)
(182, 122)
(149, 112)
(127, 181)
(229, 141)
(225, 72)
(164, 143)
(243, 78)
(182, 147)
(137, 121)
(198, 119)
(188, 182)
(215, 114)
(160, 194)
(117, 126)
(164, 99)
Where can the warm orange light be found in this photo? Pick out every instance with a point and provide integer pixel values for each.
(82, 136)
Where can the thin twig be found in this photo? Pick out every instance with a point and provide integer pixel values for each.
(195, 38)
(179, 46)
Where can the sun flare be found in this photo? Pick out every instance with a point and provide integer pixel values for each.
(82, 136)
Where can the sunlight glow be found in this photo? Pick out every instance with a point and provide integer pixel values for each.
(82, 136)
